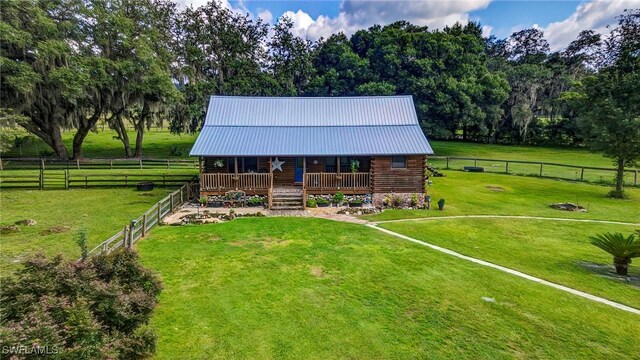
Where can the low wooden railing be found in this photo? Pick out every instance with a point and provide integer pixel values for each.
(335, 181)
(224, 181)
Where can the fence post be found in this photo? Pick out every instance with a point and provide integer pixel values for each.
(41, 164)
(447, 162)
(86, 182)
(635, 178)
(111, 164)
(541, 169)
(41, 179)
(171, 202)
(66, 179)
(125, 236)
(78, 163)
(168, 163)
(506, 170)
(159, 212)
(582, 174)
(131, 232)
(475, 162)
(144, 224)
(181, 196)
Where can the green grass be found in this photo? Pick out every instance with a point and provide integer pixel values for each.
(562, 155)
(60, 214)
(482, 193)
(314, 289)
(102, 144)
(553, 250)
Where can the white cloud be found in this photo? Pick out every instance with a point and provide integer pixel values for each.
(486, 30)
(360, 14)
(266, 16)
(594, 15)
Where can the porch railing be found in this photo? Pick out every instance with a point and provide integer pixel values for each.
(224, 181)
(335, 181)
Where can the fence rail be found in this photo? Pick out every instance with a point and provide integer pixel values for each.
(64, 179)
(140, 226)
(537, 168)
(335, 181)
(224, 181)
(95, 164)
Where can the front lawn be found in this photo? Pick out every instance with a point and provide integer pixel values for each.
(59, 214)
(315, 289)
(482, 193)
(556, 251)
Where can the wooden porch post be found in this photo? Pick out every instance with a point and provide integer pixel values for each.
(269, 193)
(235, 166)
(338, 164)
(304, 182)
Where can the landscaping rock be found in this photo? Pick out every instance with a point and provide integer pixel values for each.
(26, 222)
(9, 229)
(567, 207)
(56, 230)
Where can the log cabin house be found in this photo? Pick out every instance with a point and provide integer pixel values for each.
(290, 147)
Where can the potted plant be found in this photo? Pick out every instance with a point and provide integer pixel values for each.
(322, 202)
(311, 203)
(354, 165)
(623, 248)
(338, 198)
(441, 204)
(203, 201)
(355, 203)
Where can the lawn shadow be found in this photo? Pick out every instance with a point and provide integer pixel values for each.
(607, 271)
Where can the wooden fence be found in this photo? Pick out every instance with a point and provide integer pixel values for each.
(95, 164)
(140, 226)
(537, 168)
(64, 179)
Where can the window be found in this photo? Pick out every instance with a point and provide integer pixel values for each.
(250, 164)
(398, 162)
(330, 164)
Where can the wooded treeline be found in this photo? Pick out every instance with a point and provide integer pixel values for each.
(68, 64)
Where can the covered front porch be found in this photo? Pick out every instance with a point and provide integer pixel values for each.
(260, 175)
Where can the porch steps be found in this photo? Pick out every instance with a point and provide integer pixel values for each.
(287, 198)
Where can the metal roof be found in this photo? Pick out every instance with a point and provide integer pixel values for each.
(294, 126)
(310, 141)
(310, 111)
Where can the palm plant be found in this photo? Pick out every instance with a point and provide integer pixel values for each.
(622, 248)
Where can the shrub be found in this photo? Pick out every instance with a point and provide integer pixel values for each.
(321, 201)
(414, 200)
(338, 197)
(396, 201)
(622, 248)
(176, 150)
(311, 203)
(255, 200)
(203, 200)
(97, 308)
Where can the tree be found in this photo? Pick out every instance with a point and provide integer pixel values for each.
(289, 59)
(623, 248)
(609, 101)
(92, 309)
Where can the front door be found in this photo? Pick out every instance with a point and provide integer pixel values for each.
(299, 170)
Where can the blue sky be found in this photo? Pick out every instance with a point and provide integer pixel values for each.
(560, 20)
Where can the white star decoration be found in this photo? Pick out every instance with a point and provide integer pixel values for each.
(277, 164)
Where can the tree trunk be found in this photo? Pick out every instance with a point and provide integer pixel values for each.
(139, 136)
(140, 126)
(55, 141)
(620, 177)
(83, 130)
(120, 128)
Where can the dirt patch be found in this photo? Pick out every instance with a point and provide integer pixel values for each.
(214, 238)
(56, 230)
(568, 207)
(146, 194)
(495, 188)
(270, 242)
(238, 243)
(317, 271)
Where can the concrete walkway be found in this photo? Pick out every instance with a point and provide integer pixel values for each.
(508, 217)
(511, 271)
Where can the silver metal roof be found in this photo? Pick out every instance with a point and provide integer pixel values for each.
(310, 111)
(289, 126)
